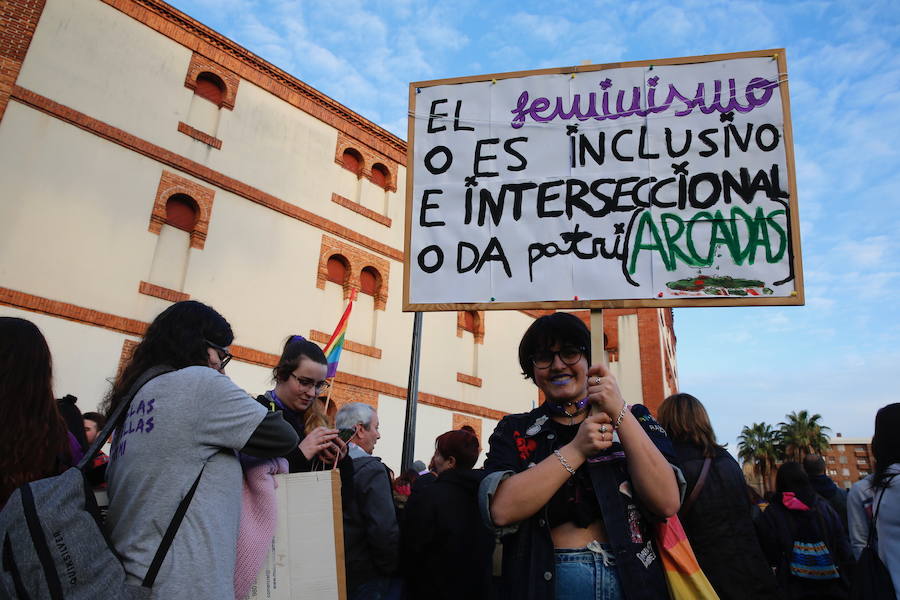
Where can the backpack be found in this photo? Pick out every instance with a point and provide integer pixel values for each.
(53, 545)
(810, 557)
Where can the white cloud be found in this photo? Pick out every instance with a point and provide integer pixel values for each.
(542, 27)
(868, 252)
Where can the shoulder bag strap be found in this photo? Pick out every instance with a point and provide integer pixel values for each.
(169, 536)
(704, 471)
(118, 415)
(872, 540)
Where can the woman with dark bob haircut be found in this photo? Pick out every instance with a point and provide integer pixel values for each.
(575, 483)
(880, 491)
(34, 441)
(717, 516)
(180, 425)
(300, 378)
(446, 549)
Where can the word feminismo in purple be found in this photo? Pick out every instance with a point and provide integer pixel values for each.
(538, 107)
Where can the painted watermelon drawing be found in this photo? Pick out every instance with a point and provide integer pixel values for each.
(703, 285)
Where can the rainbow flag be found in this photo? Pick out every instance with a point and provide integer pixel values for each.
(335, 345)
(685, 579)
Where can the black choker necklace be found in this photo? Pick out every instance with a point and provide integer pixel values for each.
(561, 409)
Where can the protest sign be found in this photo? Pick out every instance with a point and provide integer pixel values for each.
(654, 183)
(306, 559)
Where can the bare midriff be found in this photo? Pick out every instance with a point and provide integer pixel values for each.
(568, 535)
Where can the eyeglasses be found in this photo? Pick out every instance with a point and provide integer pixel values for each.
(224, 355)
(568, 354)
(320, 386)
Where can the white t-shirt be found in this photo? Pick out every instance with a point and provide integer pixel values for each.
(177, 423)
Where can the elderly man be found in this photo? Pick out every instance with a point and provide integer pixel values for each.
(371, 533)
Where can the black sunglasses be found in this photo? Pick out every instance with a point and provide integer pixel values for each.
(224, 355)
(568, 354)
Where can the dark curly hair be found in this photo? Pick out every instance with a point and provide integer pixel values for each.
(34, 442)
(178, 337)
(561, 327)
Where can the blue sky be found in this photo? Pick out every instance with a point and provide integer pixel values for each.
(837, 355)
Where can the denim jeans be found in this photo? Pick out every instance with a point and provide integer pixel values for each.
(379, 588)
(586, 573)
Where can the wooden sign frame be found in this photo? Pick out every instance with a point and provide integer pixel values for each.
(796, 297)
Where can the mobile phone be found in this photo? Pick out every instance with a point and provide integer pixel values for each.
(346, 434)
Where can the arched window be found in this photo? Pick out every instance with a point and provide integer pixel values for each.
(211, 87)
(368, 281)
(352, 160)
(182, 212)
(380, 175)
(337, 269)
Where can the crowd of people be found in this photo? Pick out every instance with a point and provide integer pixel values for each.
(566, 505)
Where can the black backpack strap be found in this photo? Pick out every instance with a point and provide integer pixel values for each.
(118, 415)
(872, 540)
(169, 536)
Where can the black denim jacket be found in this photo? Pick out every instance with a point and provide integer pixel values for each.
(522, 440)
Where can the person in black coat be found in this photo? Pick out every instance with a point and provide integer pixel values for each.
(797, 515)
(446, 549)
(717, 518)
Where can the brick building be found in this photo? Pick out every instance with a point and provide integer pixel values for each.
(145, 159)
(849, 460)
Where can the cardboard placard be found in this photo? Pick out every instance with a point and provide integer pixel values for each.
(306, 561)
(653, 183)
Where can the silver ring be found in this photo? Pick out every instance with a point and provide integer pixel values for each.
(596, 381)
(603, 428)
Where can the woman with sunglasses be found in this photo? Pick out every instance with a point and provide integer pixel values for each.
(181, 424)
(299, 380)
(574, 485)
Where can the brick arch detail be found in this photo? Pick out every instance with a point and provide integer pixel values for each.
(479, 325)
(475, 423)
(358, 259)
(199, 64)
(369, 158)
(171, 184)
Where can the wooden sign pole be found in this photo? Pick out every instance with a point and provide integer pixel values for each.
(598, 348)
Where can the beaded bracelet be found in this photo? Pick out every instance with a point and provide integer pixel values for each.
(564, 462)
(621, 415)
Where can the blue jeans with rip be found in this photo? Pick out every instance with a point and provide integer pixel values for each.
(586, 573)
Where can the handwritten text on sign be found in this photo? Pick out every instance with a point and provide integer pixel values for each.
(630, 183)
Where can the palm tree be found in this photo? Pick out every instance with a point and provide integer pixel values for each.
(803, 434)
(758, 445)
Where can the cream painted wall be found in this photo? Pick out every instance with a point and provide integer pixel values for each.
(75, 213)
(628, 369)
(95, 59)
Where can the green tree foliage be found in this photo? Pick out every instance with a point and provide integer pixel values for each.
(758, 445)
(802, 434)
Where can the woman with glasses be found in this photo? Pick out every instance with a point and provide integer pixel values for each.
(575, 484)
(299, 380)
(181, 424)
